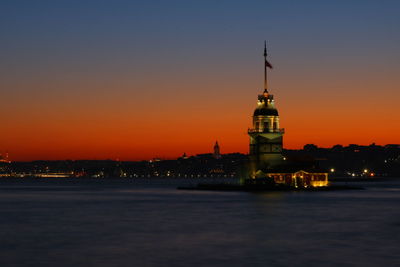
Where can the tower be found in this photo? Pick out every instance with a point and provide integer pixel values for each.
(266, 138)
(217, 153)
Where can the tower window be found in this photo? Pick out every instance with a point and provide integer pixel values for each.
(266, 125)
(275, 125)
(257, 125)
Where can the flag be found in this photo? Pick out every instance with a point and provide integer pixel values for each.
(267, 64)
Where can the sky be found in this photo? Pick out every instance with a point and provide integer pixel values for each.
(134, 80)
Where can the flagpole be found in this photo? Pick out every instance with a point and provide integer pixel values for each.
(265, 67)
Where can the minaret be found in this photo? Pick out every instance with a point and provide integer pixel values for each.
(266, 138)
(216, 153)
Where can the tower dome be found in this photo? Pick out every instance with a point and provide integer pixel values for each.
(265, 111)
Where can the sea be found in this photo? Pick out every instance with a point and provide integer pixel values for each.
(148, 222)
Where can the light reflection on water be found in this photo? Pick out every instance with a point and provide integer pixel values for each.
(149, 223)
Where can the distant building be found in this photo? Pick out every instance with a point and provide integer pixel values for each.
(266, 145)
(217, 153)
(5, 158)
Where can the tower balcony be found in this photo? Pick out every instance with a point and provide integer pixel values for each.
(253, 130)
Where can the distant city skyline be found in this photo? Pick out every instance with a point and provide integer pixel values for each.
(133, 80)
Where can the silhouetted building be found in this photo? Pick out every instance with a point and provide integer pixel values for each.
(354, 161)
(5, 158)
(217, 153)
